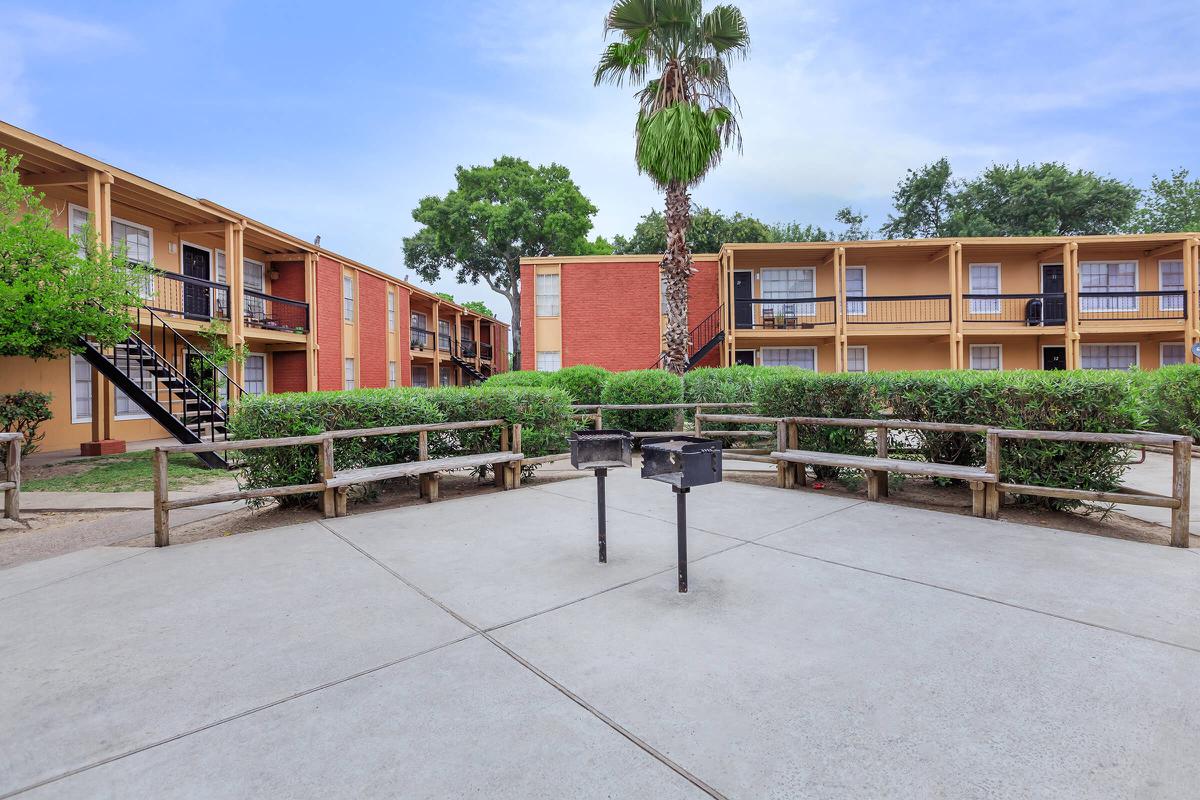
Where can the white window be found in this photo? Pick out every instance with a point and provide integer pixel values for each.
(856, 286)
(443, 334)
(420, 376)
(220, 298)
(391, 311)
(1108, 277)
(1170, 279)
(348, 379)
(987, 356)
(256, 374)
(1108, 356)
(445, 376)
(253, 280)
(392, 374)
(790, 284)
(348, 298)
(802, 357)
(549, 361)
(77, 218)
(1172, 353)
(81, 394)
(135, 241)
(662, 294)
(547, 295)
(856, 358)
(124, 407)
(984, 279)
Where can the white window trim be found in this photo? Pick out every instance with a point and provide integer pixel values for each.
(977, 305)
(265, 381)
(391, 312)
(76, 417)
(1137, 351)
(1111, 309)
(392, 381)
(353, 298)
(999, 360)
(353, 365)
(816, 355)
(862, 305)
(149, 236)
(1163, 304)
(558, 294)
(802, 309)
(863, 347)
(71, 209)
(1162, 345)
(537, 357)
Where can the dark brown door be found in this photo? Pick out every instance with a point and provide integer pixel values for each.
(1054, 302)
(743, 292)
(197, 297)
(745, 357)
(1054, 358)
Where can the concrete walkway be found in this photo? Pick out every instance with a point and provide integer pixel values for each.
(474, 648)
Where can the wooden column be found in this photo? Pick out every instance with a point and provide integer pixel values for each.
(479, 344)
(954, 272)
(162, 517)
(436, 378)
(730, 314)
(1191, 285)
(839, 303)
(310, 296)
(1182, 490)
(1071, 285)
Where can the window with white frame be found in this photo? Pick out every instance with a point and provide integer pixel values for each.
(986, 356)
(1108, 277)
(420, 376)
(984, 279)
(392, 374)
(348, 298)
(549, 361)
(1172, 353)
(123, 405)
(856, 358)
(790, 284)
(81, 389)
(1108, 356)
(1170, 279)
(547, 294)
(77, 218)
(220, 299)
(392, 311)
(856, 286)
(662, 294)
(256, 374)
(802, 357)
(135, 241)
(444, 379)
(254, 279)
(348, 377)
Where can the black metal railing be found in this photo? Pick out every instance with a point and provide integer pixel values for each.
(485, 351)
(1036, 309)
(918, 309)
(785, 313)
(274, 313)
(1109, 306)
(444, 341)
(183, 295)
(701, 339)
(420, 339)
(466, 348)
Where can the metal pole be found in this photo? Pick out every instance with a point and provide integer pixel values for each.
(681, 531)
(600, 514)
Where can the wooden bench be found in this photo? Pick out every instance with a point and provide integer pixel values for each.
(11, 485)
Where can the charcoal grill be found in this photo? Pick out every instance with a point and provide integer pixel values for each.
(683, 462)
(600, 451)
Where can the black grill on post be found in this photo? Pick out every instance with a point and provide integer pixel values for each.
(683, 462)
(599, 451)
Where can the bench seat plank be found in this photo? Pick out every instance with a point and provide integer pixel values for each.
(886, 465)
(408, 468)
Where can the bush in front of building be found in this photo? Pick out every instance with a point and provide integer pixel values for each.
(642, 387)
(24, 412)
(735, 384)
(518, 378)
(1171, 399)
(544, 415)
(583, 383)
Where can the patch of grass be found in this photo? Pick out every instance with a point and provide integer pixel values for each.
(128, 472)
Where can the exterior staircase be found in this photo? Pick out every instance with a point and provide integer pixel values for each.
(467, 365)
(170, 379)
(704, 338)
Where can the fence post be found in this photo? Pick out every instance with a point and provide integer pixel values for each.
(422, 455)
(162, 520)
(696, 420)
(500, 471)
(991, 491)
(784, 476)
(1181, 463)
(879, 477)
(799, 471)
(679, 419)
(516, 448)
(329, 500)
(12, 497)
(599, 424)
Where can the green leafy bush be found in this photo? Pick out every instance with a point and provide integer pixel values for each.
(639, 387)
(1171, 399)
(518, 378)
(728, 385)
(583, 383)
(24, 412)
(543, 414)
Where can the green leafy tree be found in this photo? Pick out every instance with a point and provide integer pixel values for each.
(598, 247)
(795, 232)
(494, 217)
(856, 225)
(51, 293)
(1171, 205)
(686, 117)
(479, 307)
(708, 231)
(923, 201)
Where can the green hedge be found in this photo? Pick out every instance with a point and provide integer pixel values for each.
(583, 383)
(1171, 399)
(645, 386)
(544, 415)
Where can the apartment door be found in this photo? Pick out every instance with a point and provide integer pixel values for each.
(1054, 357)
(197, 299)
(743, 292)
(745, 357)
(1054, 309)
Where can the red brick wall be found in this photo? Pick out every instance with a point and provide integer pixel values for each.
(403, 324)
(288, 371)
(329, 324)
(290, 282)
(610, 314)
(372, 331)
(703, 298)
(528, 299)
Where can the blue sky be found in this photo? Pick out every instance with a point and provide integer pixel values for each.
(336, 118)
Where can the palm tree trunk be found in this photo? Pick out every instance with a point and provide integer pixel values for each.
(676, 269)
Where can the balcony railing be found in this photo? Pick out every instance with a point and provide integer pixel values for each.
(185, 296)
(274, 313)
(1041, 309)
(1112, 306)
(444, 342)
(923, 309)
(467, 348)
(485, 351)
(421, 339)
(785, 313)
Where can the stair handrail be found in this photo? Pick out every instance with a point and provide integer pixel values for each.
(712, 320)
(190, 349)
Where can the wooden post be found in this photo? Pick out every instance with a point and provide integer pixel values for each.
(329, 501)
(978, 505)
(343, 500)
(12, 497)
(516, 448)
(162, 522)
(433, 487)
(1182, 491)
(499, 471)
(422, 455)
(783, 470)
(696, 425)
(679, 417)
(599, 424)
(799, 471)
(881, 450)
(991, 491)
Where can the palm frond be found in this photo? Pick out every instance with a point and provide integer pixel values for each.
(622, 61)
(724, 29)
(631, 16)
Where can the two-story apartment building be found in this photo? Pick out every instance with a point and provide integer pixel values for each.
(309, 318)
(1087, 302)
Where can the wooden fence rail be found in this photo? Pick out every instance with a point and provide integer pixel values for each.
(11, 485)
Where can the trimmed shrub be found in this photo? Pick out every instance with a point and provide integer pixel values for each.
(1171, 399)
(727, 385)
(543, 414)
(24, 412)
(583, 383)
(645, 386)
(518, 378)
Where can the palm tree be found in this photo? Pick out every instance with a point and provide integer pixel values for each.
(686, 117)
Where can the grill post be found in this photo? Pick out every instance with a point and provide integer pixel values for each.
(601, 521)
(681, 532)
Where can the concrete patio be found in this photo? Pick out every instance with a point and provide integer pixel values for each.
(828, 648)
